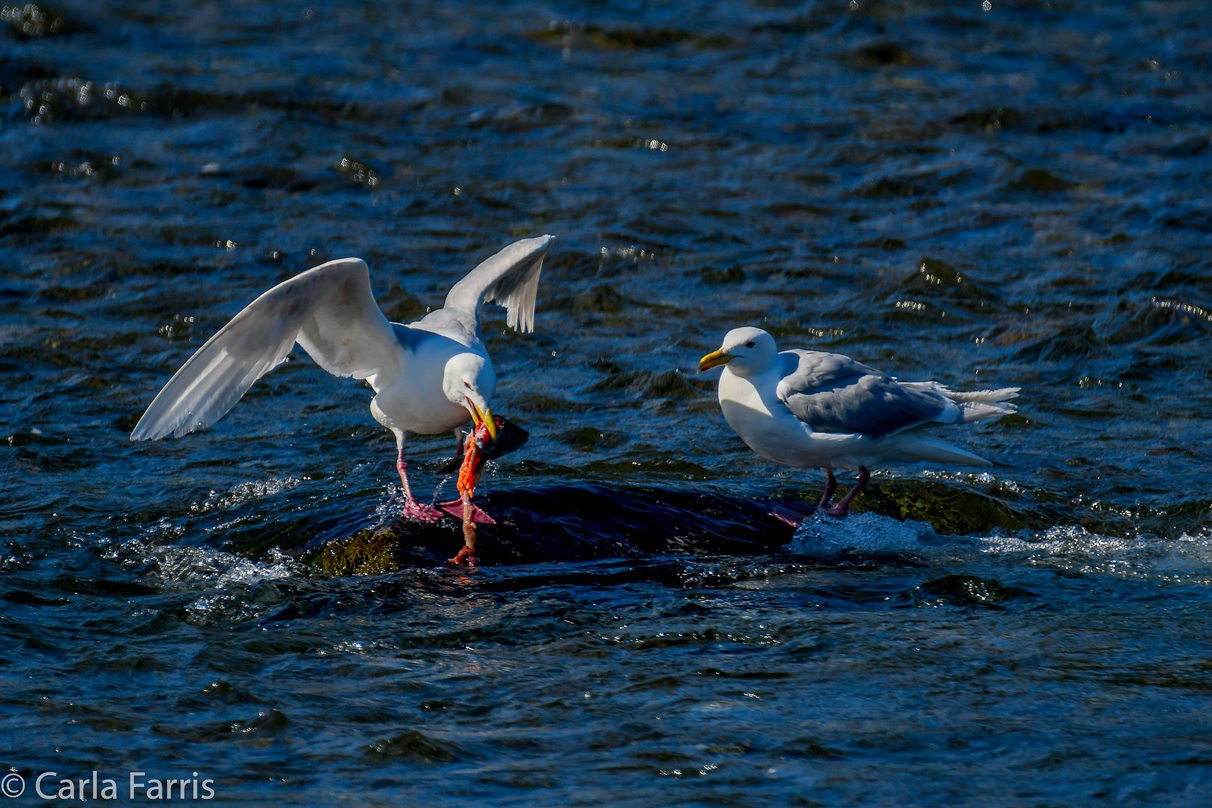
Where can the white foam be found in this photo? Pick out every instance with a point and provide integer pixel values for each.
(864, 533)
(1187, 559)
(219, 609)
(174, 564)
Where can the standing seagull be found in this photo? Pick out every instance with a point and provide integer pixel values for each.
(430, 376)
(821, 410)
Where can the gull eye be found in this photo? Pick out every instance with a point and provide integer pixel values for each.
(467, 385)
(749, 344)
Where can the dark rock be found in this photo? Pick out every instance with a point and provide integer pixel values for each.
(23, 598)
(583, 523)
(281, 178)
(37, 226)
(566, 523)
(600, 300)
(374, 552)
(604, 365)
(1190, 516)
(808, 749)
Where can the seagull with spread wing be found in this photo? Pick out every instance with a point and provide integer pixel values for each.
(809, 409)
(430, 376)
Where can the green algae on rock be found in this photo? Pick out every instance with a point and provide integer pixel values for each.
(372, 551)
(950, 510)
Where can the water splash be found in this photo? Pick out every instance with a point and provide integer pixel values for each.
(174, 565)
(1072, 548)
(867, 534)
(1186, 560)
(245, 492)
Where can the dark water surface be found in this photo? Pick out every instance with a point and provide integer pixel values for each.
(1016, 196)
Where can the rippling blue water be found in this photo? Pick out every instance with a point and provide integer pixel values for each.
(1015, 196)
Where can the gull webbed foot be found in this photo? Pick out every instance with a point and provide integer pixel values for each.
(843, 506)
(419, 512)
(455, 509)
(466, 557)
(787, 516)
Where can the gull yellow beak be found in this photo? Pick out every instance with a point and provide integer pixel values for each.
(713, 360)
(484, 416)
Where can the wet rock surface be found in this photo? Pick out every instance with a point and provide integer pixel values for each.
(568, 523)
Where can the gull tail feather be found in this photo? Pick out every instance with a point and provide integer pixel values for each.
(981, 404)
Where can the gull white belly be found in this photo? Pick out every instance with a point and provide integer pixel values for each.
(769, 428)
(417, 405)
(415, 401)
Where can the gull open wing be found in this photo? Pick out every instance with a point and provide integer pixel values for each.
(511, 278)
(328, 310)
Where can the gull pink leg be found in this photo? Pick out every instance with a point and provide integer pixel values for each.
(830, 487)
(843, 506)
(412, 508)
(792, 518)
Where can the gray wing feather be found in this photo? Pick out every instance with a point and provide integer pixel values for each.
(511, 278)
(328, 310)
(834, 393)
